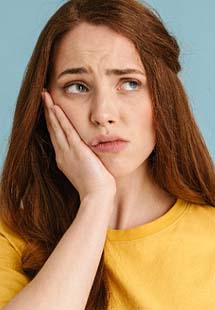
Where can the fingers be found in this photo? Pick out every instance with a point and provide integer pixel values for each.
(62, 129)
(57, 135)
(68, 129)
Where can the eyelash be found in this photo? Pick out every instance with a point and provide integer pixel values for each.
(79, 83)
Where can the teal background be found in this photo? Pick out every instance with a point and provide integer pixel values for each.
(192, 22)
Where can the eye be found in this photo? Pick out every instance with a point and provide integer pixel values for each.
(131, 85)
(75, 88)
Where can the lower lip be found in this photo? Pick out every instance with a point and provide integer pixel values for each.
(110, 147)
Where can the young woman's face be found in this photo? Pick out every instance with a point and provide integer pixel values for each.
(100, 99)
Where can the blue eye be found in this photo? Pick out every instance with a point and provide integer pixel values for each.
(76, 88)
(133, 85)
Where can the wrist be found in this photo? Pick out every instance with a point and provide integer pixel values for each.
(103, 201)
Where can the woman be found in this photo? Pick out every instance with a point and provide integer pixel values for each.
(107, 191)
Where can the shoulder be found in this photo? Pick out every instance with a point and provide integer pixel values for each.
(13, 279)
(204, 209)
(9, 238)
(202, 216)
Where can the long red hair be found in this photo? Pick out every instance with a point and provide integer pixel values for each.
(37, 200)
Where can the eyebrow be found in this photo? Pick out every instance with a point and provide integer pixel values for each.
(118, 72)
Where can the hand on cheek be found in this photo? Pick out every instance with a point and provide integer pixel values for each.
(74, 158)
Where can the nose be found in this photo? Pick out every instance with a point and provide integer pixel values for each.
(104, 110)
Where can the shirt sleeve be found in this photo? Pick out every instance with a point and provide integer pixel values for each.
(12, 277)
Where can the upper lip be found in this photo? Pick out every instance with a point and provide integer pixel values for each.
(105, 138)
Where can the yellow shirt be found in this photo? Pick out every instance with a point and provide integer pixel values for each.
(167, 264)
(12, 277)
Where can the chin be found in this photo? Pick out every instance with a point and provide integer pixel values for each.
(121, 168)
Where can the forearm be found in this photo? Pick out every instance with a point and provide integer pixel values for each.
(65, 280)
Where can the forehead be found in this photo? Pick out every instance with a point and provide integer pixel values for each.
(92, 45)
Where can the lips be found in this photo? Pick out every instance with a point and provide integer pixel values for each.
(110, 147)
(105, 138)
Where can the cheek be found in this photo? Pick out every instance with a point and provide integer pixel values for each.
(70, 112)
(74, 114)
(145, 118)
(146, 129)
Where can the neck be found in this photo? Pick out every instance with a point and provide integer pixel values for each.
(138, 200)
